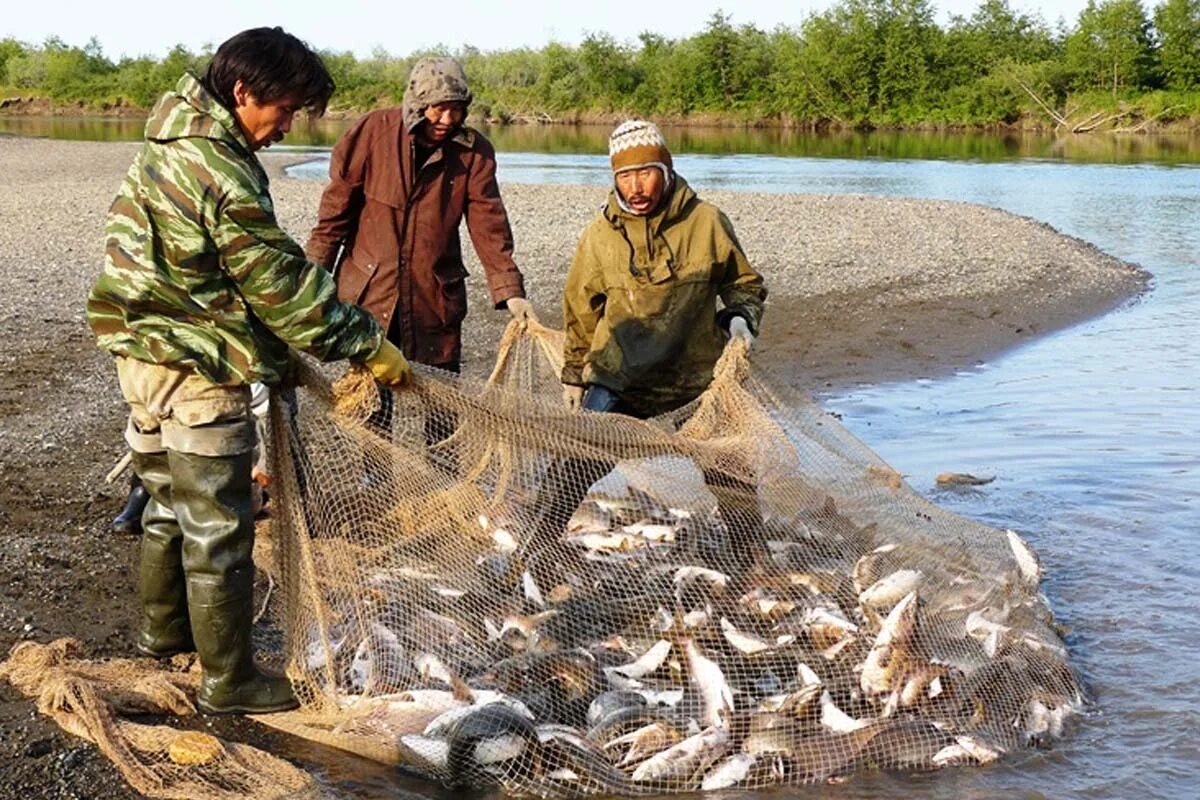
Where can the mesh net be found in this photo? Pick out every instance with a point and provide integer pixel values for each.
(93, 700)
(479, 586)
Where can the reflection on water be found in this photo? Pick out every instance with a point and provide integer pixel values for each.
(593, 139)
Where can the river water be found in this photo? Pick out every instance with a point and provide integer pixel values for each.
(1092, 433)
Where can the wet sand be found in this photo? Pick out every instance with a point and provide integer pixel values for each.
(861, 290)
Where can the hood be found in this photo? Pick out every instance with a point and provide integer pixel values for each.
(189, 111)
(432, 81)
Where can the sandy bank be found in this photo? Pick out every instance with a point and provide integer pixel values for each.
(862, 289)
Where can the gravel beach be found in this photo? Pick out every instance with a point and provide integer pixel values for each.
(862, 289)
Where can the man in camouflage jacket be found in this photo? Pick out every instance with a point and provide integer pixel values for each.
(202, 294)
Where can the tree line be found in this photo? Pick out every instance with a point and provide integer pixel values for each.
(861, 63)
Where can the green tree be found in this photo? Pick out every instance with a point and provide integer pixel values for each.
(1110, 47)
(717, 48)
(560, 84)
(751, 75)
(839, 61)
(609, 78)
(979, 57)
(650, 62)
(27, 70)
(911, 45)
(1178, 24)
(993, 34)
(9, 49)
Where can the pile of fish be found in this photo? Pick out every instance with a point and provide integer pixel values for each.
(632, 658)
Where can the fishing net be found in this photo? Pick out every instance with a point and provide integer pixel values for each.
(95, 700)
(479, 586)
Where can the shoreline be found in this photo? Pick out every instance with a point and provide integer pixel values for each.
(877, 294)
(36, 106)
(862, 289)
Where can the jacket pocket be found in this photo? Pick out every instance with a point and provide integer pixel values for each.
(353, 279)
(451, 278)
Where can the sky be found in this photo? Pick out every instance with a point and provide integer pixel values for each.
(142, 27)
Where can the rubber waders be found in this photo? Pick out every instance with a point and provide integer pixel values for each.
(211, 498)
(165, 626)
(129, 521)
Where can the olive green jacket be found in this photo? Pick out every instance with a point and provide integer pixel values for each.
(197, 272)
(640, 304)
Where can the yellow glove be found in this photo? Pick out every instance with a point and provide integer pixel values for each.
(389, 365)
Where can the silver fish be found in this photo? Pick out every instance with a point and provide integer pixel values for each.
(1028, 566)
(649, 662)
(890, 649)
(888, 591)
(686, 759)
(729, 772)
(706, 675)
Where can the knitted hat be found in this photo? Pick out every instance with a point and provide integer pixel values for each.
(637, 143)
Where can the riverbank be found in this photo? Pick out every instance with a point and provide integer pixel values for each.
(1129, 117)
(862, 290)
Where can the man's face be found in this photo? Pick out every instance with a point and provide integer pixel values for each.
(441, 119)
(263, 123)
(641, 189)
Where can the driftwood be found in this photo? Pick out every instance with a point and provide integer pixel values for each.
(1096, 120)
(1062, 122)
(1141, 126)
(541, 118)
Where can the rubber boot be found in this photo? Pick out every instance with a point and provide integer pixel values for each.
(212, 500)
(129, 521)
(165, 628)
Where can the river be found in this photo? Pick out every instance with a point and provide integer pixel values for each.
(1092, 433)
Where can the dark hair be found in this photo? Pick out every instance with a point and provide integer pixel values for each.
(273, 65)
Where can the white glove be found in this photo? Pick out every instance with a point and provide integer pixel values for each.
(572, 396)
(521, 310)
(740, 329)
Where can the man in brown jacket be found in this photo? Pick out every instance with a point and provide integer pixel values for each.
(401, 181)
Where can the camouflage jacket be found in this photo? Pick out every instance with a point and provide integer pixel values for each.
(197, 272)
(640, 304)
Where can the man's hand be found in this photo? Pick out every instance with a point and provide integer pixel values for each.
(521, 310)
(389, 366)
(738, 329)
(572, 396)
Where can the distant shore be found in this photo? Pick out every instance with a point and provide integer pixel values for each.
(39, 106)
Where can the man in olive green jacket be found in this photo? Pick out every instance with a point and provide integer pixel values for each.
(643, 326)
(640, 305)
(202, 294)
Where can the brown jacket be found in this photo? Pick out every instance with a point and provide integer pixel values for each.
(390, 231)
